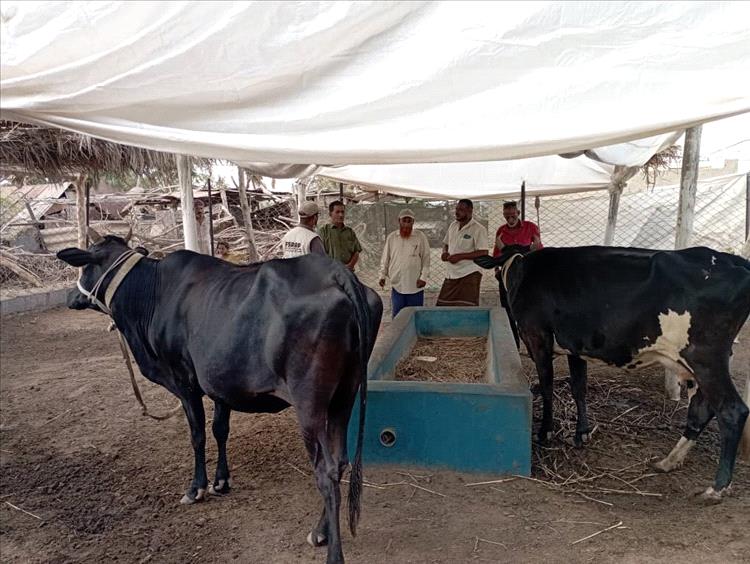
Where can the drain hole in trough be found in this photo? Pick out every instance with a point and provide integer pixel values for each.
(387, 437)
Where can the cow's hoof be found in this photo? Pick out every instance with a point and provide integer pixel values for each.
(545, 437)
(666, 465)
(190, 497)
(320, 540)
(712, 497)
(580, 440)
(219, 487)
(663, 466)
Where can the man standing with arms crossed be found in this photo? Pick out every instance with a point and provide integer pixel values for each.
(466, 239)
(406, 261)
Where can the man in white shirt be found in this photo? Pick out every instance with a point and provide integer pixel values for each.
(406, 261)
(466, 239)
(303, 239)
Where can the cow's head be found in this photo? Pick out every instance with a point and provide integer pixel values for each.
(507, 252)
(94, 262)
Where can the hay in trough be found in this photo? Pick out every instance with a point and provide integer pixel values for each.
(457, 359)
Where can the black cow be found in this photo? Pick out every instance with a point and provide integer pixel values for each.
(257, 338)
(632, 307)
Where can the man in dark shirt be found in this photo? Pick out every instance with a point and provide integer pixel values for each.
(339, 240)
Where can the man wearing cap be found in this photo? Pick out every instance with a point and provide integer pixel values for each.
(303, 239)
(406, 261)
(339, 240)
(466, 239)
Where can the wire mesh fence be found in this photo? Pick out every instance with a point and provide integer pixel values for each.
(646, 219)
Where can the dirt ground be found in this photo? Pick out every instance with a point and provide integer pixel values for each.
(86, 478)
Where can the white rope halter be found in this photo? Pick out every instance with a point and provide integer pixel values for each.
(127, 260)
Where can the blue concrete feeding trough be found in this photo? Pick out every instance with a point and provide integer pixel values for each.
(467, 427)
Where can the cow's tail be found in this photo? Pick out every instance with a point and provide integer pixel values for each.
(356, 294)
(745, 440)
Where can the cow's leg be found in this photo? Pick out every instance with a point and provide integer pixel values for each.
(540, 347)
(220, 428)
(699, 415)
(715, 384)
(193, 406)
(671, 384)
(327, 478)
(578, 380)
(731, 415)
(506, 306)
(338, 423)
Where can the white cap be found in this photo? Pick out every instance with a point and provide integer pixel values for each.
(308, 209)
(406, 213)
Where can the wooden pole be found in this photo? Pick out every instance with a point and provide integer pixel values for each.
(688, 187)
(523, 200)
(81, 210)
(341, 192)
(252, 251)
(210, 220)
(185, 174)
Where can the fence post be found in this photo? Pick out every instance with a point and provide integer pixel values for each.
(688, 187)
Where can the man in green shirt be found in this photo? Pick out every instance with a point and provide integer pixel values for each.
(339, 240)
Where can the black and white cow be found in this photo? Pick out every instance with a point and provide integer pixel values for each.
(633, 307)
(255, 338)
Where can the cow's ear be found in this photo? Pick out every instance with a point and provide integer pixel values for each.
(76, 257)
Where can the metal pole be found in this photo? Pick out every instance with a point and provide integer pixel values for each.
(523, 200)
(210, 219)
(747, 206)
(341, 192)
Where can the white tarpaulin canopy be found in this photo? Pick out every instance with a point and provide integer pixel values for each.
(481, 181)
(382, 82)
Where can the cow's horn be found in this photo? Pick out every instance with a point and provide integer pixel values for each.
(129, 235)
(94, 236)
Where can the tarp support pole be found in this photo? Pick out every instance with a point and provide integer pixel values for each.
(523, 200)
(688, 187)
(614, 206)
(189, 228)
(252, 251)
(210, 220)
(747, 206)
(81, 210)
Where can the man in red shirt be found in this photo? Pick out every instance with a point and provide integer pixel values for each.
(514, 232)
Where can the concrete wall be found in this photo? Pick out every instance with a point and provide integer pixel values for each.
(39, 300)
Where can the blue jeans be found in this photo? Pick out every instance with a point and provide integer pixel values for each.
(400, 301)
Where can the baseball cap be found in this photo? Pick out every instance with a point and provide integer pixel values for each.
(308, 209)
(406, 213)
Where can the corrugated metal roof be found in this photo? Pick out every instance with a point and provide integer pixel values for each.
(38, 196)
